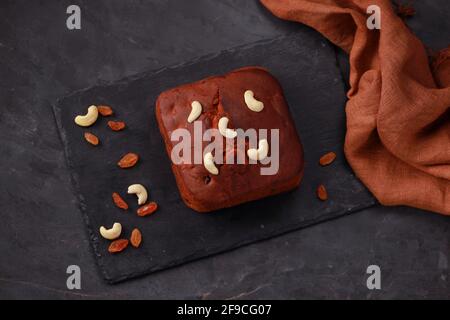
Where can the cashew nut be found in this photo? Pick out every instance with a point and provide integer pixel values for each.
(251, 102)
(112, 233)
(195, 112)
(140, 191)
(227, 133)
(208, 162)
(89, 118)
(261, 152)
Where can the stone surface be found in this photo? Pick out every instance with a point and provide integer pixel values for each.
(42, 230)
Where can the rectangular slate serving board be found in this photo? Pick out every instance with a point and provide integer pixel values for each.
(305, 65)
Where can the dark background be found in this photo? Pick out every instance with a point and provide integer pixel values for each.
(42, 231)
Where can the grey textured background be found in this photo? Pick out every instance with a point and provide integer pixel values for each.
(42, 230)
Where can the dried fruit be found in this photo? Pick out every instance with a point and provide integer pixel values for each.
(147, 209)
(119, 202)
(89, 118)
(91, 138)
(327, 158)
(140, 191)
(136, 238)
(128, 160)
(105, 110)
(118, 245)
(112, 233)
(116, 125)
(322, 193)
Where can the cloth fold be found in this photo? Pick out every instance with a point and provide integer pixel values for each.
(398, 112)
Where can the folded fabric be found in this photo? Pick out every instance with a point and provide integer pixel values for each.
(398, 112)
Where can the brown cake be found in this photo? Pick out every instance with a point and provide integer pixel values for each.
(209, 185)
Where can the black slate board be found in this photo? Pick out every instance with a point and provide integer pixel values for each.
(304, 64)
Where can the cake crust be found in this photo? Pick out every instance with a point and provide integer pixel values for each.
(223, 96)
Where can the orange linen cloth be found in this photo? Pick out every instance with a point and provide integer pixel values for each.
(398, 112)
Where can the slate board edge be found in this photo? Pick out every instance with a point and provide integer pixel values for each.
(193, 61)
(76, 191)
(213, 251)
(198, 254)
